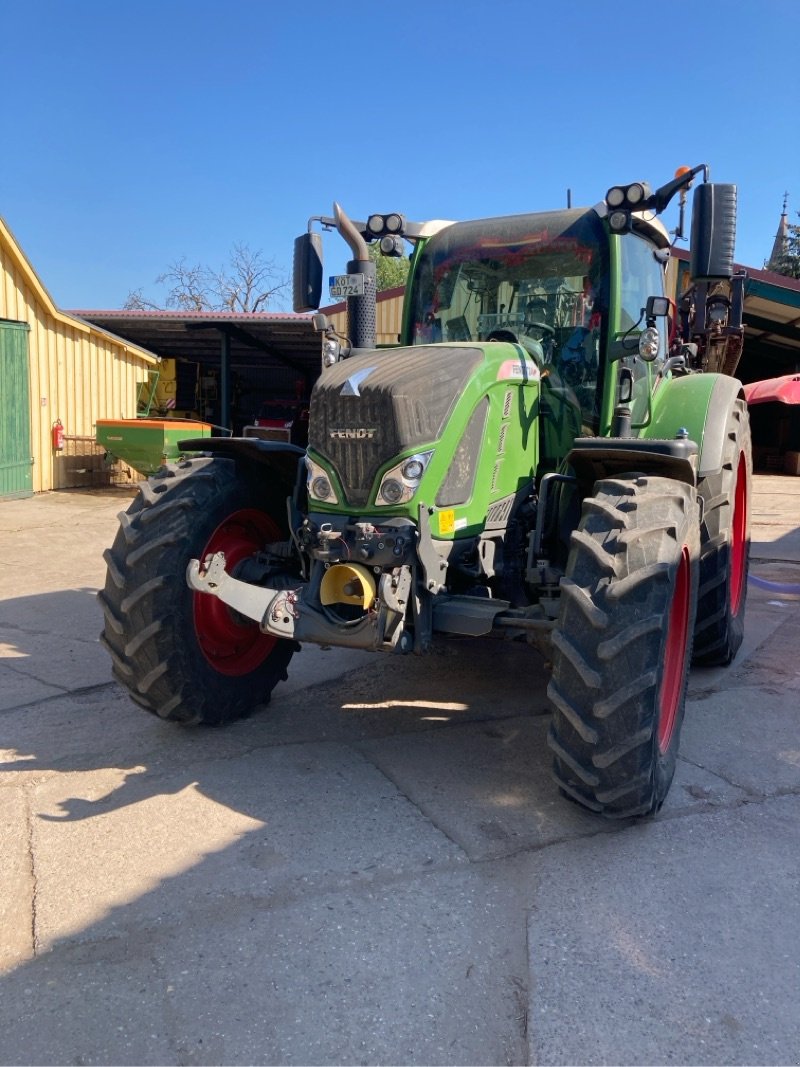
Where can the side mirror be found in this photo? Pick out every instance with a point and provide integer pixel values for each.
(657, 307)
(713, 232)
(307, 272)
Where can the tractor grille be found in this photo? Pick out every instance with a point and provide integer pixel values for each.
(366, 409)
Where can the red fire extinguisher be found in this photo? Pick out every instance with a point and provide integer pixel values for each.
(58, 436)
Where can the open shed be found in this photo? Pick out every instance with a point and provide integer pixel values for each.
(226, 364)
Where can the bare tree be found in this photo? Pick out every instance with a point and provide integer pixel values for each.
(248, 283)
(190, 287)
(137, 301)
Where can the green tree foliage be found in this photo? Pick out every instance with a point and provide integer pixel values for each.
(391, 271)
(787, 262)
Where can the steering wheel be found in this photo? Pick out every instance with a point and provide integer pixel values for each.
(503, 335)
(573, 372)
(540, 326)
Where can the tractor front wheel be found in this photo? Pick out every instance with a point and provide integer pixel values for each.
(622, 645)
(182, 655)
(725, 546)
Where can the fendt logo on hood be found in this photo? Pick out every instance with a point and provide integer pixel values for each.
(353, 433)
(350, 387)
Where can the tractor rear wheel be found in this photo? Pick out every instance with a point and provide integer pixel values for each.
(186, 656)
(725, 546)
(622, 644)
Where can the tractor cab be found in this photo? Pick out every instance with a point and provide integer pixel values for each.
(562, 285)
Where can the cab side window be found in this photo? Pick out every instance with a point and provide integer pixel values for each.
(642, 276)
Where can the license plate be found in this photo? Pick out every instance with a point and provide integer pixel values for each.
(343, 285)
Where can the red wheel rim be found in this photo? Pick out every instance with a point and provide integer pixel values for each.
(739, 537)
(675, 653)
(230, 645)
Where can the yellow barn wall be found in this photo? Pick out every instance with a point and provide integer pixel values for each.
(389, 318)
(78, 373)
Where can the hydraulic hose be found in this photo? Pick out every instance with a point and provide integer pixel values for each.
(789, 590)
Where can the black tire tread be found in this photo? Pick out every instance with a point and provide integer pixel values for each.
(146, 605)
(609, 641)
(718, 634)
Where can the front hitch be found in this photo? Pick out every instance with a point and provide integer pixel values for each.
(253, 601)
(296, 613)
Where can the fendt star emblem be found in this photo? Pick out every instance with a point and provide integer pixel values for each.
(350, 387)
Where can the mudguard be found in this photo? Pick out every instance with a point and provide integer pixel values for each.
(699, 403)
(279, 456)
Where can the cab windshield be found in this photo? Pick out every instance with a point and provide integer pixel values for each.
(540, 280)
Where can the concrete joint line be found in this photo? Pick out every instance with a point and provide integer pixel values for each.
(57, 696)
(28, 794)
(421, 808)
(723, 778)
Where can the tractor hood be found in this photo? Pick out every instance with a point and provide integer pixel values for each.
(377, 404)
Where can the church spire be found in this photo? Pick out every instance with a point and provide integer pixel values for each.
(781, 244)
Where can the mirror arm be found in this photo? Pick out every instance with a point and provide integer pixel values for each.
(661, 197)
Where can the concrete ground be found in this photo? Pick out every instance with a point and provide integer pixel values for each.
(377, 868)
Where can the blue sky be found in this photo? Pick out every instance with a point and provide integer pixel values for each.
(136, 134)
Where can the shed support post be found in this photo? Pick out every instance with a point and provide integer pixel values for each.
(225, 382)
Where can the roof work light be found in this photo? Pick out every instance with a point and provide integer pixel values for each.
(623, 200)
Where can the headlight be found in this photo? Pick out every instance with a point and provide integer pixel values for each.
(392, 491)
(615, 196)
(413, 469)
(400, 483)
(649, 344)
(331, 351)
(630, 197)
(619, 221)
(318, 484)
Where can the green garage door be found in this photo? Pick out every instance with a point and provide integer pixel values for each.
(16, 476)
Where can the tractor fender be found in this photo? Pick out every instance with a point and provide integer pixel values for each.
(699, 403)
(253, 454)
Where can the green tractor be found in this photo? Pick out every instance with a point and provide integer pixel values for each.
(556, 452)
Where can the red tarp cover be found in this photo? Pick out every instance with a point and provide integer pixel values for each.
(786, 390)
